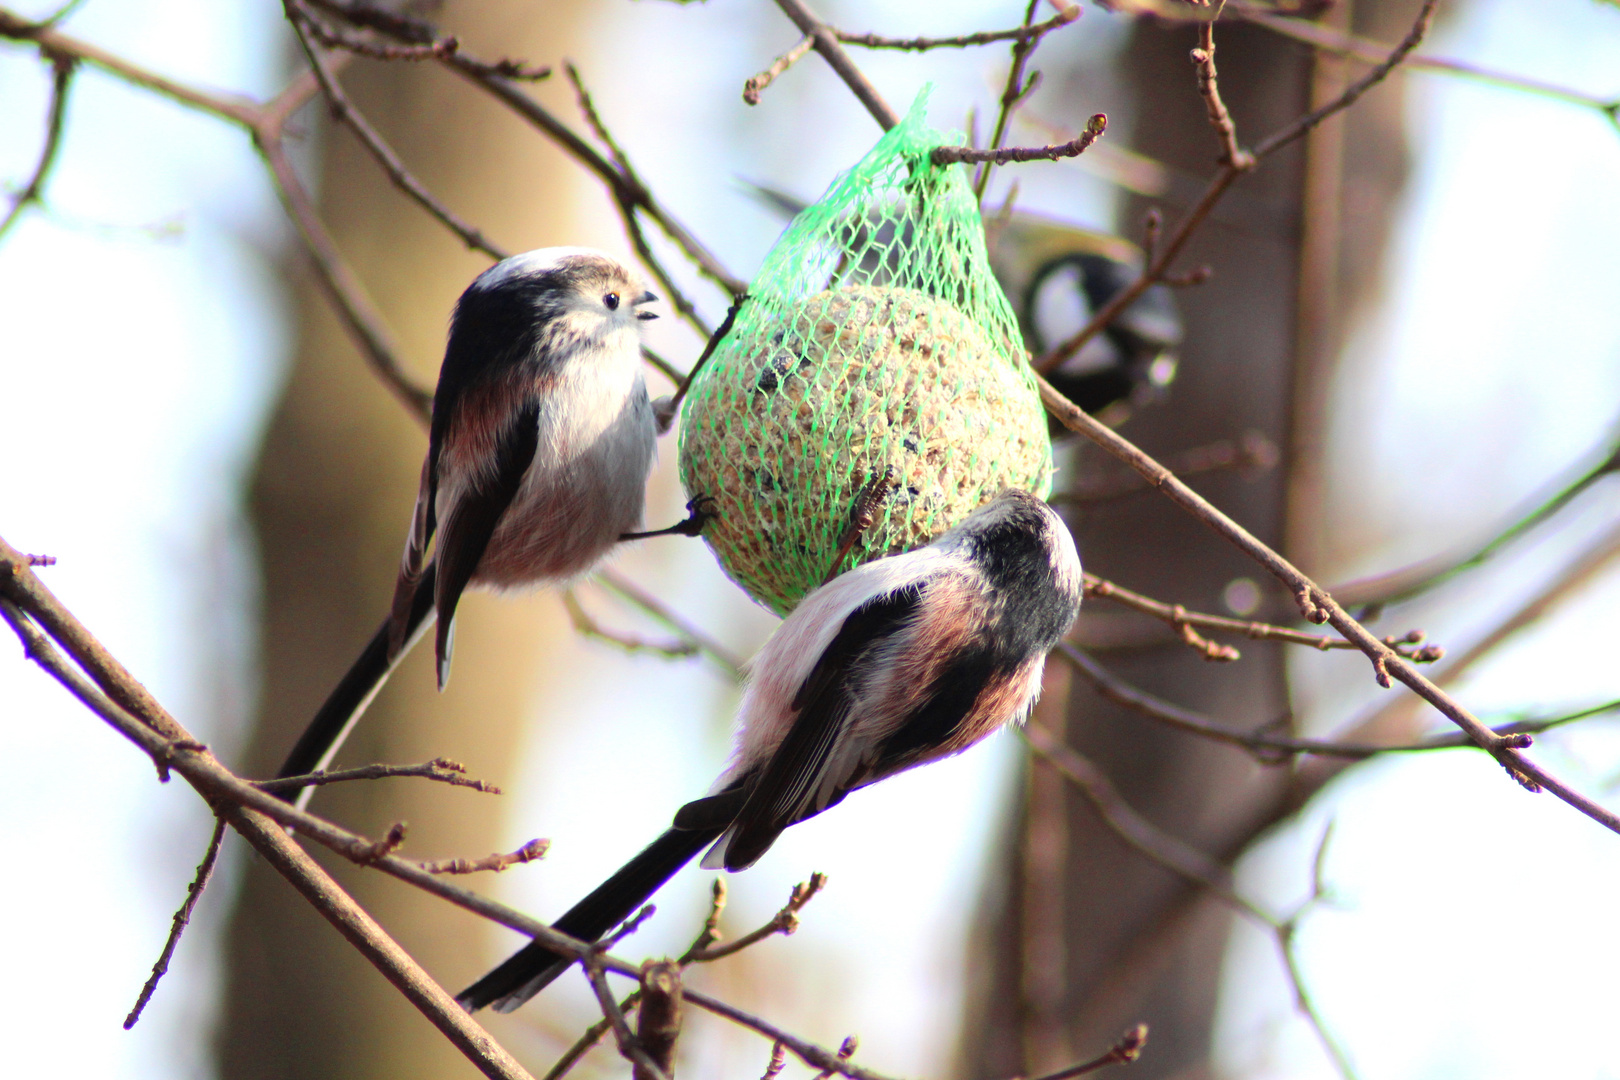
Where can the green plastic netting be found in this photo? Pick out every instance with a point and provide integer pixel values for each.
(875, 342)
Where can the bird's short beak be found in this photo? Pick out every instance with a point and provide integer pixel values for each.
(646, 298)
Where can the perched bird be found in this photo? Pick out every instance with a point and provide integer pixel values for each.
(1056, 275)
(538, 453)
(899, 662)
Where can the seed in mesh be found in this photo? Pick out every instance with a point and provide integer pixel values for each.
(846, 385)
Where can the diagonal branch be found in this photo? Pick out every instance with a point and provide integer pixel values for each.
(826, 43)
(1317, 606)
(182, 917)
(1158, 268)
(33, 191)
(344, 112)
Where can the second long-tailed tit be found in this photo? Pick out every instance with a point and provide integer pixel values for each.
(540, 443)
(897, 663)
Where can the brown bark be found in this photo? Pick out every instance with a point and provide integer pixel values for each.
(1137, 945)
(331, 499)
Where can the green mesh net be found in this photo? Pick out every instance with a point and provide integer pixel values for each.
(875, 355)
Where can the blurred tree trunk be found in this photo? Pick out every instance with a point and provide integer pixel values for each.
(336, 480)
(1086, 937)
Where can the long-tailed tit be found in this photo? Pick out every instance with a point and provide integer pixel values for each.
(538, 453)
(897, 663)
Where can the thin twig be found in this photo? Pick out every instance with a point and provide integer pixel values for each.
(785, 921)
(1252, 450)
(629, 1046)
(630, 592)
(534, 849)
(628, 194)
(343, 110)
(715, 338)
(1271, 748)
(1016, 91)
(818, 1057)
(1064, 17)
(1233, 156)
(151, 728)
(861, 516)
(441, 769)
(1158, 268)
(756, 84)
(1330, 40)
(1125, 1050)
(177, 926)
(947, 155)
(846, 1050)
(500, 85)
(826, 43)
(586, 626)
(1131, 827)
(1409, 645)
(424, 43)
(1181, 859)
(1406, 582)
(1317, 606)
(62, 67)
(266, 124)
(1420, 27)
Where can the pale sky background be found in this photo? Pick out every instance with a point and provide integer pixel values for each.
(142, 336)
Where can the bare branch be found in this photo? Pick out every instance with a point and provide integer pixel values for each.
(1252, 450)
(344, 112)
(756, 84)
(629, 193)
(1420, 27)
(632, 593)
(1317, 606)
(658, 1016)
(1158, 268)
(426, 43)
(62, 67)
(1034, 31)
(629, 1046)
(1330, 40)
(1125, 1050)
(182, 917)
(534, 849)
(1233, 156)
(441, 769)
(1271, 748)
(266, 124)
(1016, 92)
(947, 155)
(826, 43)
(1409, 645)
(785, 921)
(587, 626)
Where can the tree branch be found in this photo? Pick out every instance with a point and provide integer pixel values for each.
(826, 43)
(33, 191)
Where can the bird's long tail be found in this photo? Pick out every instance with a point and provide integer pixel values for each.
(532, 968)
(336, 718)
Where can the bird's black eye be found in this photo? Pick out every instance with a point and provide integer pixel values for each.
(612, 301)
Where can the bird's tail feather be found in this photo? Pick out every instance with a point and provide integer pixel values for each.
(532, 968)
(336, 718)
